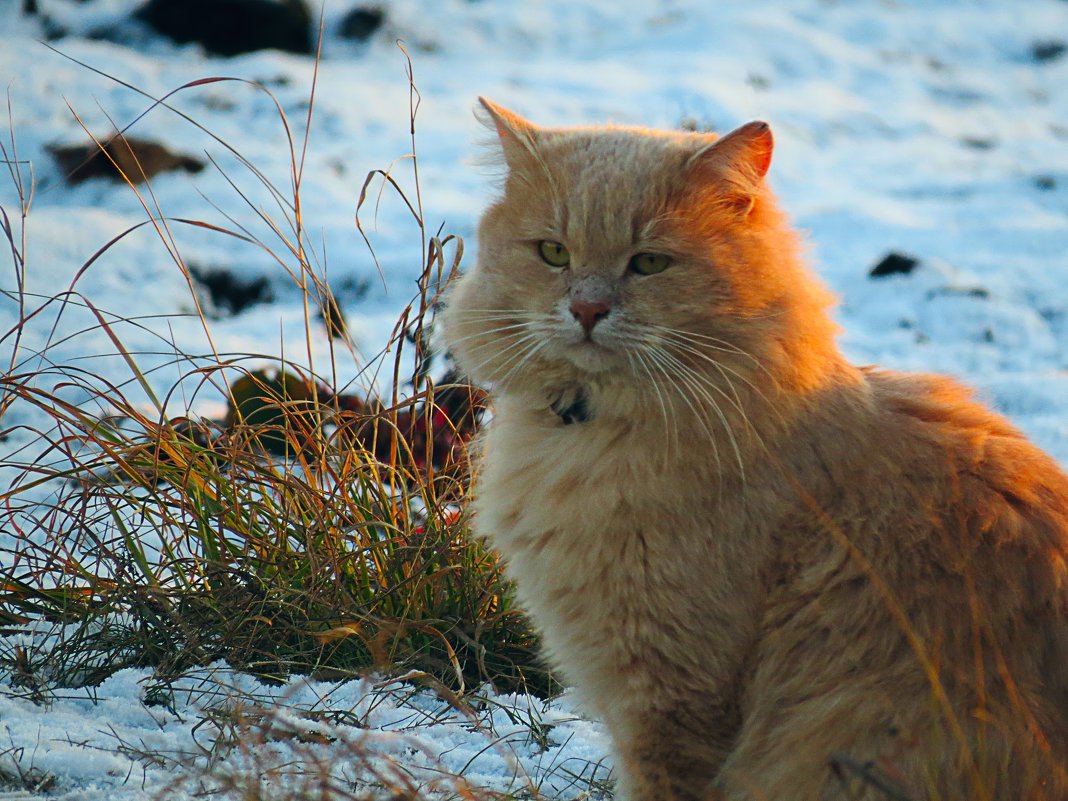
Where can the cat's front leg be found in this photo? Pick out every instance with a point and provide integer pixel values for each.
(657, 774)
(673, 756)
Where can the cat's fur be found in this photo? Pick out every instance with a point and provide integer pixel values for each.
(773, 574)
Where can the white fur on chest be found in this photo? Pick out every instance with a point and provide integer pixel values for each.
(613, 553)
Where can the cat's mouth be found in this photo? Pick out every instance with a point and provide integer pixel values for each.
(591, 356)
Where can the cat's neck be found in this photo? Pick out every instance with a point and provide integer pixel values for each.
(737, 408)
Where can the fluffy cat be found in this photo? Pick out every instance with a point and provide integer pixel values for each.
(773, 574)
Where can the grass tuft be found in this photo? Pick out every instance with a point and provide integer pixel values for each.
(314, 530)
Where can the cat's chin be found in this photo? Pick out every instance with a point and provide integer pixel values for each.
(591, 357)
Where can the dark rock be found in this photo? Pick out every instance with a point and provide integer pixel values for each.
(1048, 50)
(361, 23)
(893, 264)
(278, 408)
(228, 292)
(51, 29)
(758, 82)
(979, 142)
(230, 27)
(695, 125)
(1046, 183)
(978, 292)
(139, 159)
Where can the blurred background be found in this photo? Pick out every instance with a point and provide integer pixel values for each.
(932, 134)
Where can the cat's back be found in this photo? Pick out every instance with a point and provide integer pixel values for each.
(967, 451)
(976, 543)
(930, 550)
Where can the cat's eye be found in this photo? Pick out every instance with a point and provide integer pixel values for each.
(553, 253)
(649, 263)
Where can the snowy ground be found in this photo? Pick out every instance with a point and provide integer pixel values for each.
(937, 129)
(133, 738)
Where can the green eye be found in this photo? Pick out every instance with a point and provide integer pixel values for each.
(553, 253)
(649, 263)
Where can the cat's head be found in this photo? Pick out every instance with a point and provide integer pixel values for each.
(631, 255)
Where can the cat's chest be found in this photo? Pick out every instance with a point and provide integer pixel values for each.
(586, 511)
(621, 557)
(538, 477)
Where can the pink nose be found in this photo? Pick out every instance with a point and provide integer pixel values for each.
(589, 312)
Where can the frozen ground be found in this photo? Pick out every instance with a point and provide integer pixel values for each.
(133, 738)
(938, 129)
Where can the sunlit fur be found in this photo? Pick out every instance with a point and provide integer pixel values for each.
(754, 561)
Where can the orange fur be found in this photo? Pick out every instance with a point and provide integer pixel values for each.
(773, 574)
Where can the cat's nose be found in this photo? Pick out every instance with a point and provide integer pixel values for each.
(589, 313)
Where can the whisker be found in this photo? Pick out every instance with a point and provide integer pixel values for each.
(530, 354)
(522, 339)
(671, 432)
(490, 333)
(668, 372)
(737, 402)
(496, 317)
(698, 384)
(512, 313)
(714, 343)
(723, 370)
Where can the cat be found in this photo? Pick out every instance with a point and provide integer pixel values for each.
(772, 574)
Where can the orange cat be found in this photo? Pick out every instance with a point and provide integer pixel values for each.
(774, 575)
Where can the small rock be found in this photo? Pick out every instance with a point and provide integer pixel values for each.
(230, 293)
(758, 82)
(139, 159)
(277, 407)
(979, 142)
(893, 264)
(1048, 50)
(1046, 183)
(230, 27)
(695, 125)
(361, 23)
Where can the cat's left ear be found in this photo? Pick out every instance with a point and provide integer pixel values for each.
(518, 136)
(741, 159)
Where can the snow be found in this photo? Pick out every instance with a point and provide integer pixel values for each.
(925, 128)
(133, 737)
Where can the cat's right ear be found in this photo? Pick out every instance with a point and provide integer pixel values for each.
(517, 135)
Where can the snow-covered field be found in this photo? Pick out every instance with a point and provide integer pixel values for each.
(935, 129)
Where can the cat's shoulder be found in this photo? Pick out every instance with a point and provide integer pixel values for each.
(938, 400)
(939, 422)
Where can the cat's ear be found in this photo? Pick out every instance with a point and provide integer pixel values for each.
(517, 135)
(740, 160)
